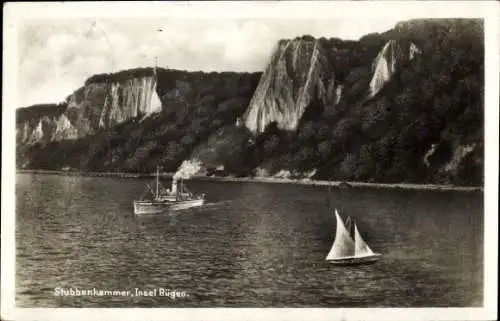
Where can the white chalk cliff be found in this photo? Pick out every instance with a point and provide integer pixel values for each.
(297, 74)
(47, 129)
(95, 105)
(128, 99)
(388, 62)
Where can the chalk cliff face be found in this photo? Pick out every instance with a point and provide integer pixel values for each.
(103, 105)
(30, 132)
(458, 154)
(297, 74)
(47, 129)
(303, 71)
(389, 61)
(129, 99)
(97, 105)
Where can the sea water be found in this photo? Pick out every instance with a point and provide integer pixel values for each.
(251, 245)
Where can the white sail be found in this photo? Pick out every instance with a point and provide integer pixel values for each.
(344, 244)
(361, 247)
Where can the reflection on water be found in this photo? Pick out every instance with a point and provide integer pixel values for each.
(251, 245)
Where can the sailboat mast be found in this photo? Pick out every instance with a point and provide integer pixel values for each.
(328, 197)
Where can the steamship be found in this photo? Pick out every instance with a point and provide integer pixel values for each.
(162, 200)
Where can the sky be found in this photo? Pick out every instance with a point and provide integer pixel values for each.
(56, 56)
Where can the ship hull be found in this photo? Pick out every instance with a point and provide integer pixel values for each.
(151, 207)
(355, 260)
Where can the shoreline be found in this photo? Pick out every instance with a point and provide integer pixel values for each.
(274, 180)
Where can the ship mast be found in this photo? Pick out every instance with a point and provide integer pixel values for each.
(157, 180)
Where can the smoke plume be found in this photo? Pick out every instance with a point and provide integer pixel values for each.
(187, 169)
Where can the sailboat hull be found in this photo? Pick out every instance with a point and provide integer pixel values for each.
(355, 260)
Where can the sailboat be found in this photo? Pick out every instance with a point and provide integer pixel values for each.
(176, 198)
(346, 251)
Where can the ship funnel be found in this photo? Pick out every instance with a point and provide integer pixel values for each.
(174, 186)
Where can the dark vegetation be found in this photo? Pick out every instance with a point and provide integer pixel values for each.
(437, 99)
(35, 112)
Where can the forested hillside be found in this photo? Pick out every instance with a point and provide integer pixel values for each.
(403, 106)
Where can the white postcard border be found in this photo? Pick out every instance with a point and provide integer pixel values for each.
(14, 13)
